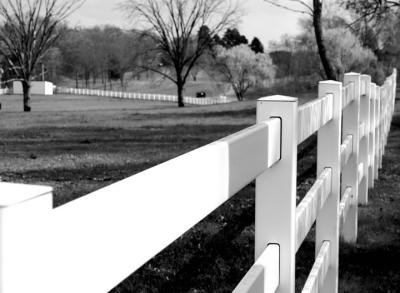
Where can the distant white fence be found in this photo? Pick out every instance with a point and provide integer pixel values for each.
(141, 96)
(93, 243)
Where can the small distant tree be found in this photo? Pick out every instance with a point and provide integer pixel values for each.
(232, 38)
(174, 26)
(204, 36)
(51, 64)
(242, 68)
(72, 46)
(125, 50)
(217, 40)
(257, 46)
(28, 29)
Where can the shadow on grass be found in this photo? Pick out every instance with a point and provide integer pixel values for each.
(58, 140)
(243, 113)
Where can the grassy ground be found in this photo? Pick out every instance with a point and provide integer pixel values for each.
(103, 140)
(79, 144)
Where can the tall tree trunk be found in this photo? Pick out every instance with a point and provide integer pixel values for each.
(122, 80)
(237, 92)
(180, 95)
(319, 37)
(87, 77)
(103, 80)
(240, 96)
(26, 87)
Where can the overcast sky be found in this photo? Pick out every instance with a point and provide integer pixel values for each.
(261, 19)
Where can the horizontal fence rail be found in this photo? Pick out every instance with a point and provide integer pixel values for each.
(319, 271)
(314, 115)
(110, 233)
(348, 95)
(312, 203)
(346, 150)
(143, 96)
(263, 276)
(345, 204)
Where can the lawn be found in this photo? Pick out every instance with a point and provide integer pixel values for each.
(103, 140)
(80, 144)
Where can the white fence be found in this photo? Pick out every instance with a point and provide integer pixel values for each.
(145, 97)
(94, 242)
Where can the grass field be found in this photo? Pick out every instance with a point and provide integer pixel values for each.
(80, 144)
(103, 140)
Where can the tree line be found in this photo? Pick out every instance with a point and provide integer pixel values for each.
(178, 38)
(101, 55)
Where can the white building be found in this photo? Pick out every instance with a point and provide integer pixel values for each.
(37, 88)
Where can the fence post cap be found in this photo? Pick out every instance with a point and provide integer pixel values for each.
(352, 73)
(332, 82)
(366, 77)
(12, 194)
(278, 98)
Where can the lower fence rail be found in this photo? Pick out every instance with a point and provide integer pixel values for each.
(345, 204)
(308, 209)
(263, 276)
(319, 271)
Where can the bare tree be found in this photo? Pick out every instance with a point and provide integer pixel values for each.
(28, 29)
(174, 25)
(371, 10)
(314, 10)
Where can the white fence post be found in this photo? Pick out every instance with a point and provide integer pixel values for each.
(276, 191)
(329, 142)
(351, 123)
(364, 141)
(381, 121)
(387, 111)
(22, 208)
(377, 130)
(384, 119)
(371, 153)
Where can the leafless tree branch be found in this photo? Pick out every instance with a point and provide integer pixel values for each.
(28, 29)
(308, 9)
(174, 24)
